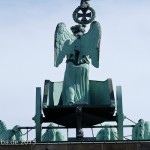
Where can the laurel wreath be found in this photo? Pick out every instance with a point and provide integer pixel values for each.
(75, 18)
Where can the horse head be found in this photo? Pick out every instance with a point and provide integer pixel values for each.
(141, 131)
(52, 134)
(17, 133)
(2, 127)
(107, 133)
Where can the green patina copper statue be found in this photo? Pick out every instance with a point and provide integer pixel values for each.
(141, 130)
(52, 135)
(14, 134)
(78, 48)
(107, 134)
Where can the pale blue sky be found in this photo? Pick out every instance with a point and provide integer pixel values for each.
(26, 52)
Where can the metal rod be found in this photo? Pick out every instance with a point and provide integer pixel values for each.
(92, 132)
(67, 134)
(112, 126)
(130, 120)
(27, 134)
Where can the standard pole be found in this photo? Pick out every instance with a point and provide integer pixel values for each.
(38, 116)
(120, 116)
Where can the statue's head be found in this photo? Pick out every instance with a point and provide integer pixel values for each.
(78, 30)
(16, 128)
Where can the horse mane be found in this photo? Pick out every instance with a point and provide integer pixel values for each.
(2, 127)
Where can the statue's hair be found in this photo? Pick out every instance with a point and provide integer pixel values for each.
(77, 28)
(2, 127)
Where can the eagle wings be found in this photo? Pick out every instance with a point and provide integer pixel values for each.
(65, 43)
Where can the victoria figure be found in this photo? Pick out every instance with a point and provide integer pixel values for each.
(78, 48)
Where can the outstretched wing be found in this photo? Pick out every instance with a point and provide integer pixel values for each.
(90, 43)
(63, 45)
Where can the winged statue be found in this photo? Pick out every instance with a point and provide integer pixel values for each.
(77, 48)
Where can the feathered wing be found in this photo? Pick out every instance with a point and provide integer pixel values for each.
(63, 45)
(90, 43)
